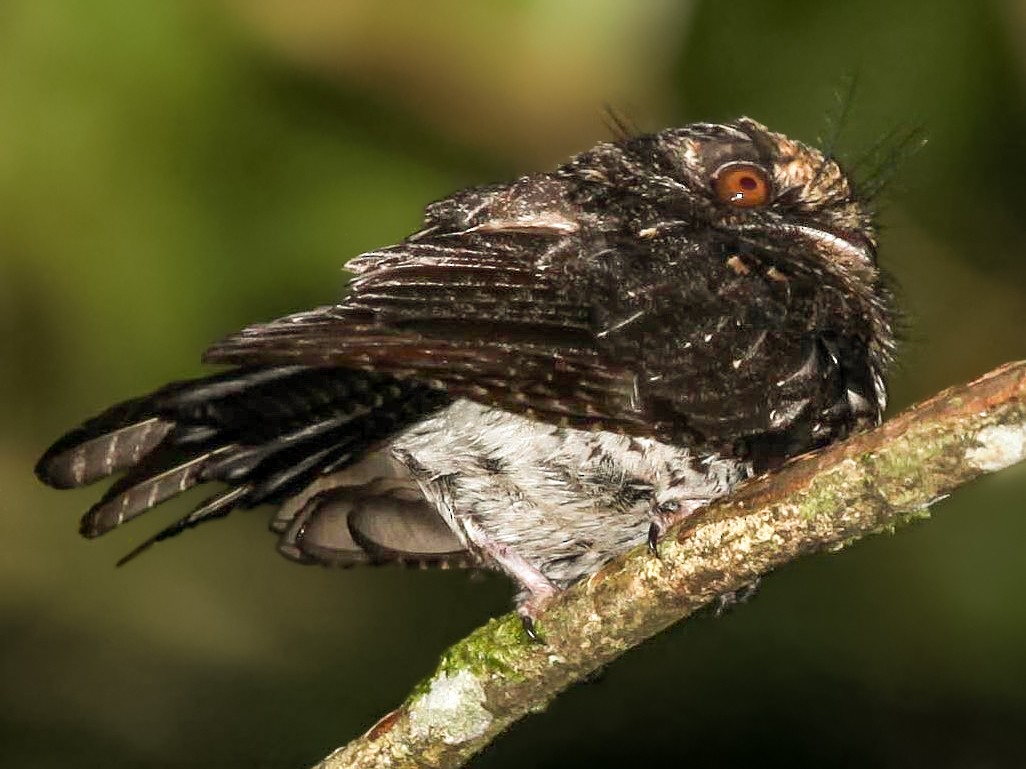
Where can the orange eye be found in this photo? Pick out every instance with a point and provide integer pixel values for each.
(742, 185)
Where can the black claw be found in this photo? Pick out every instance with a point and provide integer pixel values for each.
(655, 533)
(530, 630)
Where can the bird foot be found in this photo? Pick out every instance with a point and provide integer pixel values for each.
(536, 590)
(530, 604)
(668, 516)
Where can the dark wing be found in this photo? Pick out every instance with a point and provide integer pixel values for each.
(696, 341)
(489, 316)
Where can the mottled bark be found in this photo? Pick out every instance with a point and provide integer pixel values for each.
(873, 482)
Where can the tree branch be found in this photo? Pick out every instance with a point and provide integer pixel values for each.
(870, 483)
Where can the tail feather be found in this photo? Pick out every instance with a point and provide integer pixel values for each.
(216, 507)
(145, 487)
(83, 457)
(265, 432)
(121, 436)
(291, 477)
(247, 459)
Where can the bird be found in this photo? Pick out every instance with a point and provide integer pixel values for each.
(549, 372)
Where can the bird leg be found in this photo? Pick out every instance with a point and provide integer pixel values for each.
(536, 590)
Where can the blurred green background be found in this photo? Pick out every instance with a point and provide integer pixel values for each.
(173, 170)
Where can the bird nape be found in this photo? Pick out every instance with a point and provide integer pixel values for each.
(547, 373)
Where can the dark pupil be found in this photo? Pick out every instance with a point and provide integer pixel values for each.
(748, 183)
